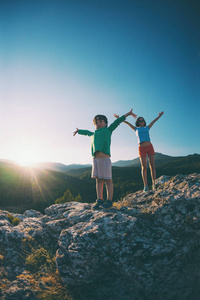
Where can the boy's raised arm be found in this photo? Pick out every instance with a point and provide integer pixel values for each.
(121, 119)
(156, 119)
(130, 113)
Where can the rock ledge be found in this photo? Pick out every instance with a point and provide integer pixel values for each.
(146, 247)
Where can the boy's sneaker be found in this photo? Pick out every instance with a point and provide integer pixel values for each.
(153, 187)
(145, 189)
(106, 204)
(98, 203)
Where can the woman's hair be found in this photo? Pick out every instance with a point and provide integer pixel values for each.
(137, 123)
(100, 117)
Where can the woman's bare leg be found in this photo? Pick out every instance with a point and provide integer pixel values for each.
(152, 168)
(143, 161)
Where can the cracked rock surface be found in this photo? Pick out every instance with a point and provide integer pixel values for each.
(145, 247)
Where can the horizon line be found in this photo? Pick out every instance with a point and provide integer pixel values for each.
(62, 163)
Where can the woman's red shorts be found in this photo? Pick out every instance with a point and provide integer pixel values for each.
(147, 150)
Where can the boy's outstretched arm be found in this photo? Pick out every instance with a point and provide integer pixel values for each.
(129, 124)
(75, 132)
(156, 119)
(83, 132)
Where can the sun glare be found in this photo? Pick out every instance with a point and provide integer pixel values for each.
(26, 160)
(27, 156)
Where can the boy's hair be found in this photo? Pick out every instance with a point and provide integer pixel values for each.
(100, 117)
(137, 122)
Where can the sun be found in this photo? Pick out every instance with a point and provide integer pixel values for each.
(26, 160)
(27, 155)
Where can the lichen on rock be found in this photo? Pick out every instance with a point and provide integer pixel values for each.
(144, 247)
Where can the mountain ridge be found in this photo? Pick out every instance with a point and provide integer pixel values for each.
(60, 167)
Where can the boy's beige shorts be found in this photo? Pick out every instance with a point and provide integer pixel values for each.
(102, 168)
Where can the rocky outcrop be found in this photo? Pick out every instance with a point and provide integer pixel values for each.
(145, 247)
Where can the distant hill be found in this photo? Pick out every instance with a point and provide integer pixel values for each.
(121, 163)
(7, 161)
(58, 166)
(159, 158)
(127, 163)
(181, 165)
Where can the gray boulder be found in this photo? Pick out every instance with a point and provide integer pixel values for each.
(145, 247)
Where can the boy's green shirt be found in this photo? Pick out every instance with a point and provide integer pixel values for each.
(101, 138)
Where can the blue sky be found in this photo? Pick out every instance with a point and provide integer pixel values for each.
(62, 62)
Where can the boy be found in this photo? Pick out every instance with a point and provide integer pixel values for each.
(100, 147)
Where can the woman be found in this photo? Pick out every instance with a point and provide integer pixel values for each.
(145, 148)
